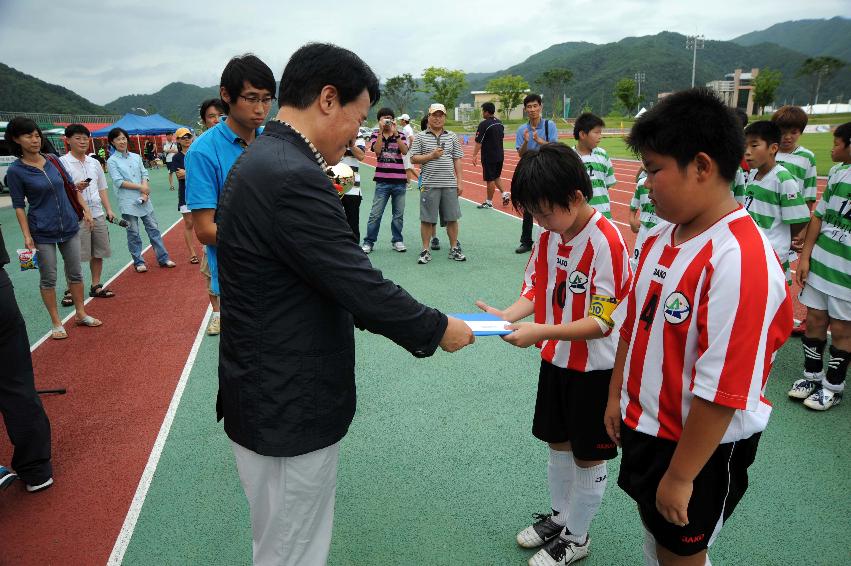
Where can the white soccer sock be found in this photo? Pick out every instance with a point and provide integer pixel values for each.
(650, 558)
(589, 485)
(560, 477)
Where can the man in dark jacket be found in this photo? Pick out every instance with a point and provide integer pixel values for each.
(293, 284)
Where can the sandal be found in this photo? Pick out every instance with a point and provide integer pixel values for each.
(87, 321)
(67, 300)
(194, 259)
(141, 268)
(58, 333)
(100, 291)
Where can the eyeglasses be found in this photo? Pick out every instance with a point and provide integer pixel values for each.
(186, 137)
(254, 101)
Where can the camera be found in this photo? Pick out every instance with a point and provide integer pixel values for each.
(388, 121)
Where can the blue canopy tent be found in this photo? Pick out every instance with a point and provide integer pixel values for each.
(135, 125)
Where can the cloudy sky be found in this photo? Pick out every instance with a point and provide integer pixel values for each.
(106, 49)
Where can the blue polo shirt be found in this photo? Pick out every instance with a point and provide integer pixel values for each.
(551, 134)
(208, 162)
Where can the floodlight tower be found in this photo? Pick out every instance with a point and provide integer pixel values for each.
(694, 42)
(639, 78)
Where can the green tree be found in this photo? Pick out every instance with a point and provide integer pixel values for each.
(509, 90)
(819, 70)
(626, 91)
(553, 83)
(444, 85)
(400, 91)
(764, 87)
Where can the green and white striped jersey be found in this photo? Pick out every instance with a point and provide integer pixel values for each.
(641, 201)
(602, 175)
(737, 187)
(830, 261)
(801, 163)
(775, 202)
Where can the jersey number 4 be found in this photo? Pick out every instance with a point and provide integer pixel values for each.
(649, 311)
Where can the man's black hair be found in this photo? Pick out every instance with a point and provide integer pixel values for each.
(687, 123)
(20, 126)
(489, 107)
(585, 123)
(767, 131)
(532, 98)
(742, 116)
(74, 129)
(317, 65)
(548, 177)
(843, 132)
(246, 68)
(384, 112)
(114, 133)
(217, 102)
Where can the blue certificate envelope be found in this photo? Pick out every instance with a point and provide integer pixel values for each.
(484, 324)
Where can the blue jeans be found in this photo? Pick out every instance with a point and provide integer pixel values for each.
(384, 191)
(134, 241)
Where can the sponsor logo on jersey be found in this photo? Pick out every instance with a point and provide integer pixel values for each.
(578, 282)
(677, 308)
(693, 539)
(660, 273)
(562, 261)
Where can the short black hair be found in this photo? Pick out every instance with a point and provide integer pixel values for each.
(548, 176)
(843, 132)
(532, 98)
(217, 102)
(742, 116)
(316, 65)
(687, 123)
(114, 133)
(74, 129)
(489, 107)
(767, 131)
(585, 123)
(246, 68)
(384, 111)
(20, 126)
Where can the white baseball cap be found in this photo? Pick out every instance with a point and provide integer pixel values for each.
(405, 117)
(436, 107)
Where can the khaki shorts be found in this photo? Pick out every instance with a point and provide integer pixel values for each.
(94, 242)
(205, 271)
(440, 200)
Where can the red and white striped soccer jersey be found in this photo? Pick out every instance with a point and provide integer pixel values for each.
(560, 279)
(704, 319)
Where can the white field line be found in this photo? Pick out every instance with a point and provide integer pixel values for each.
(123, 540)
(41, 340)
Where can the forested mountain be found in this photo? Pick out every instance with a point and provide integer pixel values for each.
(178, 102)
(20, 92)
(810, 37)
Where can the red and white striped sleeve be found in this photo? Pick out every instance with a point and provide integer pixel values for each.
(527, 290)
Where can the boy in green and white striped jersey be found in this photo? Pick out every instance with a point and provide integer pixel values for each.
(587, 132)
(772, 196)
(798, 160)
(824, 273)
(642, 216)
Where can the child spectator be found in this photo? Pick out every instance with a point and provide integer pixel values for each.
(772, 197)
(642, 216)
(798, 160)
(353, 197)
(686, 407)
(824, 273)
(587, 132)
(577, 274)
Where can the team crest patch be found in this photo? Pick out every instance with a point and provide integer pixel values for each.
(578, 282)
(677, 308)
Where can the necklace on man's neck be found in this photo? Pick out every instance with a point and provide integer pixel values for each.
(318, 156)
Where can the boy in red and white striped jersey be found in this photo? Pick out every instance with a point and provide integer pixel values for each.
(708, 311)
(576, 276)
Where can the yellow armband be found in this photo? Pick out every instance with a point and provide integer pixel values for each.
(601, 308)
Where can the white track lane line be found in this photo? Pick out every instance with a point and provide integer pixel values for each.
(41, 340)
(123, 540)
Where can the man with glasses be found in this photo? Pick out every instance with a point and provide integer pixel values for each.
(246, 88)
(87, 173)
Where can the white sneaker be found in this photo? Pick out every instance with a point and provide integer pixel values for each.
(823, 399)
(506, 198)
(367, 248)
(215, 326)
(560, 552)
(806, 386)
(400, 246)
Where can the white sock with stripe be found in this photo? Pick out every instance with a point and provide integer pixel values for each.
(560, 475)
(589, 485)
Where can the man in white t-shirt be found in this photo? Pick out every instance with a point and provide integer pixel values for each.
(94, 240)
(170, 149)
(408, 130)
(351, 200)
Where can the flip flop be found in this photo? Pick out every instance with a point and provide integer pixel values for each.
(58, 333)
(194, 259)
(87, 321)
(100, 291)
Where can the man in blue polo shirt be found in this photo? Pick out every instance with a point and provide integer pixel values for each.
(532, 135)
(246, 88)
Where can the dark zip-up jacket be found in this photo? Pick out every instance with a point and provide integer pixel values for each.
(50, 216)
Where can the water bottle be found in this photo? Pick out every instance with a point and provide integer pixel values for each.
(120, 221)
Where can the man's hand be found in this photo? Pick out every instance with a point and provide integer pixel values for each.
(110, 216)
(460, 189)
(612, 419)
(524, 334)
(475, 161)
(29, 243)
(437, 153)
(457, 335)
(536, 138)
(181, 174)
(145, 190)
(526, 135)
(81, 185)
(672, 497)
(87, 218)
